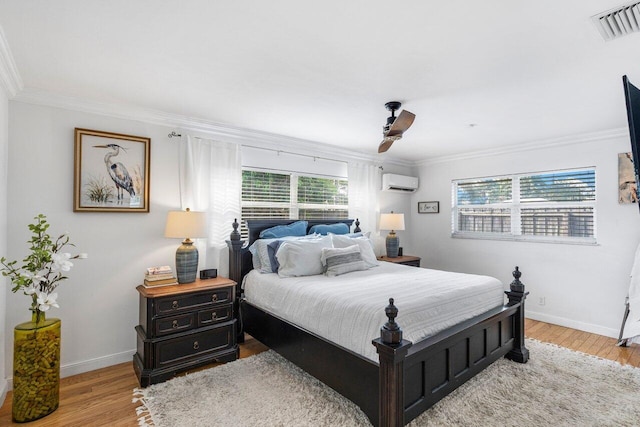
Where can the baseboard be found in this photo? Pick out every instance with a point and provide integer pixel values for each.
(4, 388)
(568, 323)
(87, 365)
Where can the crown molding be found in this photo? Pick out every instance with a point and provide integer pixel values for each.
(530, 146)
(10, 78)
(201, 126)
(274, 141)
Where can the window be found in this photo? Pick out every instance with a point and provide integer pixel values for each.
(286, 195)
(549, 206)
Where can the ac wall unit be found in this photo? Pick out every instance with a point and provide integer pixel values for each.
(399, 183)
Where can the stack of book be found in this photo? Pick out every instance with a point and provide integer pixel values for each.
(159, 276)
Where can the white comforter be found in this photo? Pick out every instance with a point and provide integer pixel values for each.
(349, 309)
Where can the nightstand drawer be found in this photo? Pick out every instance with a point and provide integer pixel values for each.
(215, 315)
(192, 301)
(173, 324)
(409, 260)
(192, 345)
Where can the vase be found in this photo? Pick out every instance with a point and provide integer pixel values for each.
(36, 368)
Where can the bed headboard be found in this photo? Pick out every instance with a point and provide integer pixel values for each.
(256, 226)
(240, 262)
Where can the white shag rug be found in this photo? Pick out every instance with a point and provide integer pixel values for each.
(557, 387)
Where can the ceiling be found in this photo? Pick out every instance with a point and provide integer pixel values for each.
(478, 75)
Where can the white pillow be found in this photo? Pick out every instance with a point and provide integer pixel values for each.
(342, 260)
(301, 257)
(365, 244)
(260, 251)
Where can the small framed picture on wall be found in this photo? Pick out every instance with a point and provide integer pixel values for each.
(428, 207)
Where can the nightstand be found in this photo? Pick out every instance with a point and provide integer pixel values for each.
(413, 261)
(183, 327)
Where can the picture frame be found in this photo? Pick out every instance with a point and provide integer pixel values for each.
(111, 172)
(428, 207)
(627, 188)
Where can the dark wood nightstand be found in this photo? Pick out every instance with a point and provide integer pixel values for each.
(183, 327)
(413, 261)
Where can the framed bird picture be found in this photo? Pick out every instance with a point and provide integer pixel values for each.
(111, 172)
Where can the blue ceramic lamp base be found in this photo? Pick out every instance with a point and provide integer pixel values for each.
(186, 262)
(393, 243)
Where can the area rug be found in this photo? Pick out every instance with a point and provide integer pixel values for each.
(558, 387)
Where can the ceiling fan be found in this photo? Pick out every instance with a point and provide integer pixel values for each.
(395, 126)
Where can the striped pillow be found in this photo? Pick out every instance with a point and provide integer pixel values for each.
(338, 261)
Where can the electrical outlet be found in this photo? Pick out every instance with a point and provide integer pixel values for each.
(541, 301)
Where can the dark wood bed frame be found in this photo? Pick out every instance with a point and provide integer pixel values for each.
(411, 377)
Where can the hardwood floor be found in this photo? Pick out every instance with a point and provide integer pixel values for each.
(584, 342)
(104, 397)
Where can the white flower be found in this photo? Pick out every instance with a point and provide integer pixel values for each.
(46, 301)
(83, 256)
(31, 289)
(61, 262)
(35, 280)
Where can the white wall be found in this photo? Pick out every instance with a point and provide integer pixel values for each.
(4, 284)
(398, 203)
(584, 286)
(99, 303)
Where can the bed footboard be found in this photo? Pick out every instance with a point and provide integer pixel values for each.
(413, 377)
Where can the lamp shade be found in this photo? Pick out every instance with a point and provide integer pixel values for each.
(392, 221)
(186, 224)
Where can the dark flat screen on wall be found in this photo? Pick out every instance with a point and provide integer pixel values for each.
(632, 97)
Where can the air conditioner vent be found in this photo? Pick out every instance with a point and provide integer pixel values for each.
(618, 22)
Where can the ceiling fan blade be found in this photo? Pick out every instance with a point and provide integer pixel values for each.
(387, 141)
(402, 123)
(385, 144)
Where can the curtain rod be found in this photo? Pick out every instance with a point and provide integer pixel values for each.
(177, 135)
(296, 154)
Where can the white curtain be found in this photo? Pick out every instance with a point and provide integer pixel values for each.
(631, 328)
(364, 185)
(211, 182)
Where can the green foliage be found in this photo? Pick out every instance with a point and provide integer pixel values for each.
(322, 190)
(99, 191)
(40, 273)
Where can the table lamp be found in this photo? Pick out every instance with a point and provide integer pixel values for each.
(185, 225)
(392, 221)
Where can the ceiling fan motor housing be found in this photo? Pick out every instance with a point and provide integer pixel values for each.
(391, 106)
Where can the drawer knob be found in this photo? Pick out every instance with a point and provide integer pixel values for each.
(196, 345)
(214, 297)
(174, 305)
(214, 316)
(175, 324)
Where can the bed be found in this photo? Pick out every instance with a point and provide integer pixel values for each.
(394, 379)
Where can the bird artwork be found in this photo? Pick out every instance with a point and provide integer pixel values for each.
(117, 171)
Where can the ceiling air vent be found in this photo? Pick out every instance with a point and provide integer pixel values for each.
(618, 22)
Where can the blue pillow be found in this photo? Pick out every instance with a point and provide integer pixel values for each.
(324, 229)
(298, 228)
(272, 248)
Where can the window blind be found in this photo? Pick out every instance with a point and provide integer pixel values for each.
(280, 195)
(557, 205)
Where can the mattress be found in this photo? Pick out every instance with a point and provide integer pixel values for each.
(349, 309)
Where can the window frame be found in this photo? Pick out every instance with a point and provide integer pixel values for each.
(516, 207)
(293, 205)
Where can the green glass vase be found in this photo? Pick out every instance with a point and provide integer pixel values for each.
(36, 368)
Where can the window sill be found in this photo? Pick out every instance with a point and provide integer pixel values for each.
(528, 239)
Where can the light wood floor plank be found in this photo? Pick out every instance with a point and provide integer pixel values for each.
(103, 398)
